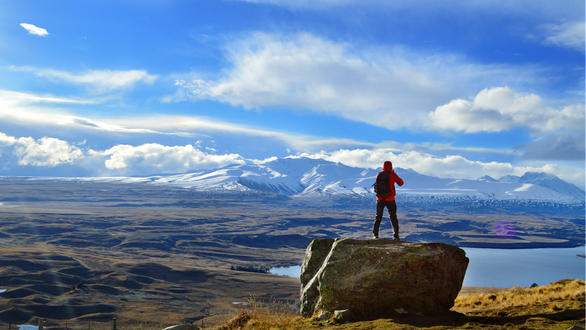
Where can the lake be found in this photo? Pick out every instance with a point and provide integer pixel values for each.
(504, 268)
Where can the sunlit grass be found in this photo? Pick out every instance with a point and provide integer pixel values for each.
(517, 308)
(260, 315)
(569, 293)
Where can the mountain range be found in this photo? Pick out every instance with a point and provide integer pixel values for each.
(307, 177)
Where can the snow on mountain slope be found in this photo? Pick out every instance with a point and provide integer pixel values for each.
(552, 182)
(305, 177)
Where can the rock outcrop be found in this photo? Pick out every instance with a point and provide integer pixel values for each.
(379, 278)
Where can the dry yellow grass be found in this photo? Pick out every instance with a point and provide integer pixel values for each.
(559, 305)
(569, 293)
(259, 315)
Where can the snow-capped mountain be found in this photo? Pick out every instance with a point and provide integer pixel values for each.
(305, 177)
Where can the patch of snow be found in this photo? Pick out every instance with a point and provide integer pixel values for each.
(525, 187)
(360, 191)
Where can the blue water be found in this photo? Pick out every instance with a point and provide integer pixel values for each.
(503, 268)
(522, 267)
(290, 271)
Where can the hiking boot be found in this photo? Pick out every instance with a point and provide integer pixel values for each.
(374, 236)
(397, 237)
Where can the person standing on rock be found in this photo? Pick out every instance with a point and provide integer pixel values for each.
(384, 187)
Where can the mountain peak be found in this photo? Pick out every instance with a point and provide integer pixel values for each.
(308, 177)
(509, 179)
(487, 178)
(530, 177)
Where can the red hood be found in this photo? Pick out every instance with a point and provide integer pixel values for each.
(387, 166)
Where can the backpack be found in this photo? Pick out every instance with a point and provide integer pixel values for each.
(382, 187)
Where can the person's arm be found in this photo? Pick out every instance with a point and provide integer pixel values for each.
(398, 180)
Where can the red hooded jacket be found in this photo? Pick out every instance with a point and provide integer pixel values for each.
(393, 178)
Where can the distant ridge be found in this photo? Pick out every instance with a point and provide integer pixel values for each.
(306, 177)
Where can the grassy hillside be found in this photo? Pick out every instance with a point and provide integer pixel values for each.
(559, 305)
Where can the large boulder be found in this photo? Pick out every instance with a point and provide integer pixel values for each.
(377, 278)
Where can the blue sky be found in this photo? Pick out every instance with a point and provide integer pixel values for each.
(448, 88)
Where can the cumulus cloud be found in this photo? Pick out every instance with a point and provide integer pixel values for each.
(154, 158)
(34, 30)
(6, 140)
(24, 109)
(570, 35)
(46, 151)
(120, 159)
(390, 88)
(151, 157)
(101, 80)
(500, 108)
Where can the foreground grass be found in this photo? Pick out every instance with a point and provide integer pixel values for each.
(559, 305)
(557, 296)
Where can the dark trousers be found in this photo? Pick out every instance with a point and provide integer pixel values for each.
(380, 208)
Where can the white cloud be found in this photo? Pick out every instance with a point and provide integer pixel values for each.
(22, 109)
(141, 159)
(101, 80)
(569, 118)
(34, 30)
(155, 158)
(449, 166)
(165, 159)
(564, 146)
(6, 140)
(25, 108)
(46, 151)
(570, 35)
(453, 166)
(186, 125)
(13, 97)
(500, 108)
(120, 159)
(390, 88)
